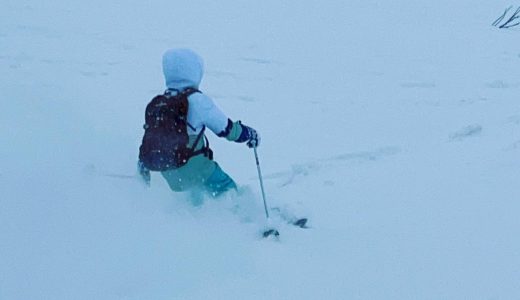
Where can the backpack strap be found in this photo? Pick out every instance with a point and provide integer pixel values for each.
(205, 149)
(186, 92)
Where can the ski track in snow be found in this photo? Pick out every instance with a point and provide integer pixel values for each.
(337, 161)
(466, 132)
(500, 84)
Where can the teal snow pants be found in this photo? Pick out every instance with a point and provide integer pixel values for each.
(200, 175)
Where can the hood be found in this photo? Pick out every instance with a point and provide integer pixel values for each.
(182, 68)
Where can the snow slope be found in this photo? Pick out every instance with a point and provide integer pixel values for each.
(394, 126)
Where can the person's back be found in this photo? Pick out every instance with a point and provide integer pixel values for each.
(183, 70)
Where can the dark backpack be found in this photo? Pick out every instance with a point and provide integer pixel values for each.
(165, 140)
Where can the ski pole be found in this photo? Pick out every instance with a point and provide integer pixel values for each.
(261, 182)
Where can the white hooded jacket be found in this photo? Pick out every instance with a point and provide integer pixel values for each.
(182, 69)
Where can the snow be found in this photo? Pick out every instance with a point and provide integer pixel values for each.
(394, 126)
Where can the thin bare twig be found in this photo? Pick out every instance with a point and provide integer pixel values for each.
(510, 22)
(515, 16)
(497, 21)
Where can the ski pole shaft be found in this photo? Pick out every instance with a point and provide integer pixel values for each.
(261, 182)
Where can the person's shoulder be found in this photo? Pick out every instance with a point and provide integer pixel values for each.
(200, 100)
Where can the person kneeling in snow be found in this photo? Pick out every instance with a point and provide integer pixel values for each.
(174, 142)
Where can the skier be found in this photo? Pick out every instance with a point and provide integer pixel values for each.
(197, 171)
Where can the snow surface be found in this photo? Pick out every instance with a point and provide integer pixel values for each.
(393, 125)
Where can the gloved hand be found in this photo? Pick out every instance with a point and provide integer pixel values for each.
(253, 139)
(240, 133)
(144, 172)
